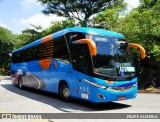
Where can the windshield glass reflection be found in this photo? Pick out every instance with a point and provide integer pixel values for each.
(113, 57)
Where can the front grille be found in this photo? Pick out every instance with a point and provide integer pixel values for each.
(121, 89)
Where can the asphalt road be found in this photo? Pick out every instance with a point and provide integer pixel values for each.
(14, 100)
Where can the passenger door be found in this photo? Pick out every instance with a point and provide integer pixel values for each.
(84, 68)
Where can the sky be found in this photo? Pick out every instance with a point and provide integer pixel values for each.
(17, 15)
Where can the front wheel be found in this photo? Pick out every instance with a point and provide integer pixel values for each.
(65, 92)
(20, 83)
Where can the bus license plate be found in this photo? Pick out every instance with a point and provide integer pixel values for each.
(121, 98)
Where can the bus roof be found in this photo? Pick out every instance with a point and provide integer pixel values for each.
(86, 30)
(95, 31)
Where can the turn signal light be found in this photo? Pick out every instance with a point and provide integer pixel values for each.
(109, 82)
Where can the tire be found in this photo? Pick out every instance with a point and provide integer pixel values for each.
(20, 83)
(65, 93)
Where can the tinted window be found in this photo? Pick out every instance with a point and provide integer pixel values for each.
(56, 48)
(60, 49)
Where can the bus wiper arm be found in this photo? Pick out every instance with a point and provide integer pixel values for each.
(118, 67)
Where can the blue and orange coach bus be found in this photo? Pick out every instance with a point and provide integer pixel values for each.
(84, 63)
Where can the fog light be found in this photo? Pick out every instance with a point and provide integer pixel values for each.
(100, 96)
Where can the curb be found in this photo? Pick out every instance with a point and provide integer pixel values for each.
(4, 77)
(149, 91)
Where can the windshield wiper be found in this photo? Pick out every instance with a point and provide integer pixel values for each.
(122, 68)
(118, 66)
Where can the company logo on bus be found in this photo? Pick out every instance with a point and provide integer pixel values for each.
(122, 89)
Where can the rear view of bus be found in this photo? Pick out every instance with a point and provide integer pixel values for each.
(99, 66)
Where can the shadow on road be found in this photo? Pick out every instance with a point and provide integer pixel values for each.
(54, 100)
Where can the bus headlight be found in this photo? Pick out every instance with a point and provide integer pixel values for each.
(96, 84)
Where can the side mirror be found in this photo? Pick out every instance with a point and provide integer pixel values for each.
(142, 50)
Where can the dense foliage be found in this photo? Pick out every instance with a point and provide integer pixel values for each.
(142, 26)
(8, 42)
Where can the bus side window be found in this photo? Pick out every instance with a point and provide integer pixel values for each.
(60, 49)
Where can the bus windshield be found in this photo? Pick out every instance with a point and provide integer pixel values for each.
(113, 57)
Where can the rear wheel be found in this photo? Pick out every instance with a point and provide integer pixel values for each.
(20, 83)
(65, 92)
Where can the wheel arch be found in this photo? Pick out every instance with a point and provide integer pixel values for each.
(63, 82)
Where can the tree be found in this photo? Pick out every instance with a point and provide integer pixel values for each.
(30, 35)
(148, 4)
(81, 10)
(58, 25)
(142, 26)
(107, 19)
(8, 42)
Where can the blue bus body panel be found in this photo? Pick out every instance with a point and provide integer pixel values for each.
(48, 80)
(88, 92)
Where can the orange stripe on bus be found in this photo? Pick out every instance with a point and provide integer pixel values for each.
(45, 63)
(47, 38)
